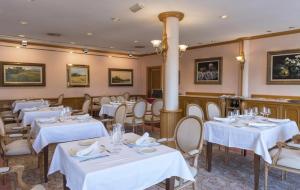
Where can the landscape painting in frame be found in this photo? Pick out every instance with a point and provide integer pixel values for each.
(208, 71)
(283, 67)
(78, 75)
(120, 77)
(22, 74)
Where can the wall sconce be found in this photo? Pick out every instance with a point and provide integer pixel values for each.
(161, 47)
(182, 49)
(240, 58)
(85, 50)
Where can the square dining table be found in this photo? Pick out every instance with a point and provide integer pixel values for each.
(127, 170)
(110, 109)
(239, 134)
(70, 129)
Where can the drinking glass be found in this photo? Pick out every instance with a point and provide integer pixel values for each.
(255, 111)
(230, 114)
(236, 113)
(246, 112)
(268, 112)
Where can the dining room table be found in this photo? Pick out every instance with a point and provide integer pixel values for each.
(53, 130)
(110, 108)
(129, 168)
(21, 104)
(254, 133)
(28, 115)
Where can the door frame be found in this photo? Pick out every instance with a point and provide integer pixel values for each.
(147, 77)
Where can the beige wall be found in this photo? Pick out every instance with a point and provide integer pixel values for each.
(56, 73)
(258, 64)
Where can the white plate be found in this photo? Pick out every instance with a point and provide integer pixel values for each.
(147, 150)
(86, 142)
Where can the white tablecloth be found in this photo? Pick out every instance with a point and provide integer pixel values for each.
(68, 130)
(110, 109)
(258, 140)
(28, 117)
(19, 105)
(127, 170)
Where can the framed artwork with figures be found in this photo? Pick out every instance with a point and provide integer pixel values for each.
(208, 70)
(283, 67)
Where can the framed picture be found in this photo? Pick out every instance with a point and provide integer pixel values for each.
(208, 71)
(283, 67)
(120, 77)
(78, 75)
(22, 74)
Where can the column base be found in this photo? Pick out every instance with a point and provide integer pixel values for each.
(168, 122)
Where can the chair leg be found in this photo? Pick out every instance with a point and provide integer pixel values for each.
(266, 176)
(283, 175)
(226, 155)
(194, 186)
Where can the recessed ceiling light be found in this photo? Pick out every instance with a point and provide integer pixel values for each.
(223, 16)
(23, 22)
(71, 51)
(110, 56)
(17, 47)
(136, 41)
(24, 43)
(89, 33)
(72, 43)
(200, 43)
(21, 35)
(115, 19)
(291, 27)
(136, 7)
(111, 47)
(269, 31)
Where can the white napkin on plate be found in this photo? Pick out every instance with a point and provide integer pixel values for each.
(89, 151)
(224, 119)
(257, 124)
(143, 139)
(278, 120)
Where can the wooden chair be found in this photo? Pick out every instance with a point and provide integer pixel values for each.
(154, 118)
(126, 95)
(18, 171)
(195, 110)
(121, 99)
(84, 109)
(139, 110)
(285, 158)
(59, 101)
(119, 116)
(212, 110)
(188, 137)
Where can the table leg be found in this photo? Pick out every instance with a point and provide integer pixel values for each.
(256, 166)
(45, 151)
(170, 183)
(65, 183)
(208, 156)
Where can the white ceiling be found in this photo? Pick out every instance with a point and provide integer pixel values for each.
(202, 22)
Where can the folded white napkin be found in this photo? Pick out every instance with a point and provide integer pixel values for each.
(143, 139)
(47, 120)
(278, 120)
(30, 109)
(224, 119)
(256, 124)
(89, 151)
(83, 117)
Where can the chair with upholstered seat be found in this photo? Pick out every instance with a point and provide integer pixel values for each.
(95, 105)
(13, 145)
(139, 110)
(119, 116)
(18, 171)
(285, 158)
(195, 110)
(113, 98)
(212, 110)
(84, 109)
(121, 99)
(126, 95)
(154, 118)
(59, 101)
(188, 137)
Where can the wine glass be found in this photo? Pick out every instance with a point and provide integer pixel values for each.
(268, 112)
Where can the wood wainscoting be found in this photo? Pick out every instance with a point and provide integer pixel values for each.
(208, 94)
(275, 97)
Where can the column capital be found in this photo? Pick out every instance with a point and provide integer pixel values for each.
(162, 16)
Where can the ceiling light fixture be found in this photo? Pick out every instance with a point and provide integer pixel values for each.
(89, 33)
(291, 27)
(21, 35)
(269, 31)
(72, 43)
(223, 16)
(23, 22)
(111, 47)
(85, 50)
(136, 41)
(130, 54)
(160, 47)
(71, 51)
(24, 43)
(136, 7)
(115, 19)
(17, 47)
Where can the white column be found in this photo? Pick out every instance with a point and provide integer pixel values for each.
(245, 90)
(172, 65)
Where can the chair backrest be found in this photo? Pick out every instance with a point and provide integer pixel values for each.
(113, 98)
(96, 100)
(126, 95)
(2, 129)
(120, 114)
(105, 100)
(139, 109)
(189, 134)
(194, 110)
(157, 105)
(60, 99)
(212, 110)
(87, 97)
(121, 98)
(86, 106)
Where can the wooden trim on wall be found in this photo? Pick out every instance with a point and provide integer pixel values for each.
(275, 96)
(208, 94)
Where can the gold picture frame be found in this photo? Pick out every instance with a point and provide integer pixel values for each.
(78, 75)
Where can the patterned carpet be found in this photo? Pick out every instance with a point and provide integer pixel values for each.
(236, 175)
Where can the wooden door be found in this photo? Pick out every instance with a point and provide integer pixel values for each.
(153, 79)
